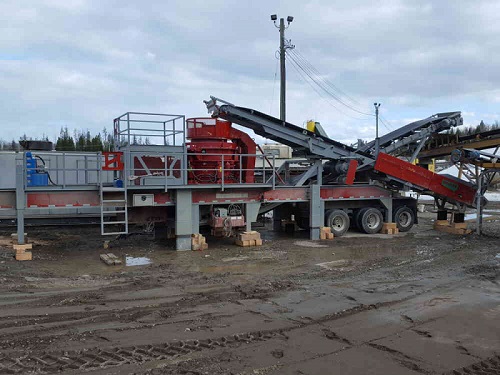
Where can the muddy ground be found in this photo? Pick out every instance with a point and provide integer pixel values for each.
(424, 302)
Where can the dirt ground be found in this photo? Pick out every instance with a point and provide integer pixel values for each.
(424, 302)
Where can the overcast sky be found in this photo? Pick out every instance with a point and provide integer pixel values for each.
(80, 63)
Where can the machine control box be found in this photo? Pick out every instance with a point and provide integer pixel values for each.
(141, 200)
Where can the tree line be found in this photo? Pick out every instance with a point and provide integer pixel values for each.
(78, 140)
(471, 130)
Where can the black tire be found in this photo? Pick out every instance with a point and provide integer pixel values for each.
(355, 220)
(338, 221)
(404, 217)
(370, 220)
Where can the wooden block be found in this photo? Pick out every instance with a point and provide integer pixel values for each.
(330, 236)
(441, 222)
(204, 246)
(389, 226)
(26, 255)
(244, 243)
(246, 236)
(459, 225)
(203, 240)
(20, 251)
(258, 242)
(396, 231)
(322, 235)
(326, 229)
(196, 247)
(451, 230)
(252, 232)
(105, 259)
(26, 246)
(105, 245)
(110, 259)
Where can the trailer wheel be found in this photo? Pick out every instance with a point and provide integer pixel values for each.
(355, 219)
(338, 221)
(404, 218)
(370, 220)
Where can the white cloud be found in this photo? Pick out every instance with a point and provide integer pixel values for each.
(82, 63)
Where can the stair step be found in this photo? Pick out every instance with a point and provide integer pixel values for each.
(113, 222)
(114, 201)
(113, 212)
(112, 233)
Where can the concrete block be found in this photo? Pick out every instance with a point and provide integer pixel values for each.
(25, 255)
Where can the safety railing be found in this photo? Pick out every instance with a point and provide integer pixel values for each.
(164, 170)
(140, 128)
(64, 169)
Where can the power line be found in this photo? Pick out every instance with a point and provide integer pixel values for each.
(329, 83)
(317, 81)
(303, 77)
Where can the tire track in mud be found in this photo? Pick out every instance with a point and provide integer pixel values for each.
(100, 358)
(489, 366)
(116, 356)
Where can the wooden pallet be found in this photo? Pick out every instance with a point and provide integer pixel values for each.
(110, 259)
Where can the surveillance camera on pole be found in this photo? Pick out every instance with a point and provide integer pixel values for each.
(283, 47)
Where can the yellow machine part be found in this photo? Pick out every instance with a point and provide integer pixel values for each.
(430, 166)
(311, 125)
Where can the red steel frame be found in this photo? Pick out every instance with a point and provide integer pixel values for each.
(442, 185)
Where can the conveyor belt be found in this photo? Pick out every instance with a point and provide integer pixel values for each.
(392, 169)
(415, 132)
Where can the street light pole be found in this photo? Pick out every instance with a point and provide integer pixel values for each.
(282, 71)
(282, 51)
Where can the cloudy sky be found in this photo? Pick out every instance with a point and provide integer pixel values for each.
(81, 63)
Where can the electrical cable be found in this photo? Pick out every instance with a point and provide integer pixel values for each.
(314, 77)
(48, 174)
(329, 83)
(302, 76)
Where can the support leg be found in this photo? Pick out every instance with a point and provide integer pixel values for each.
(251, 212)
(183, 219)
(316, 219)
(20, 197)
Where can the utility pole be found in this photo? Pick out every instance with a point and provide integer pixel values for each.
(283, 48)
(377, 142)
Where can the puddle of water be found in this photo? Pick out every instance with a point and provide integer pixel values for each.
(474, 216)
(332, 264)
(308, 244)
(137, 261)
